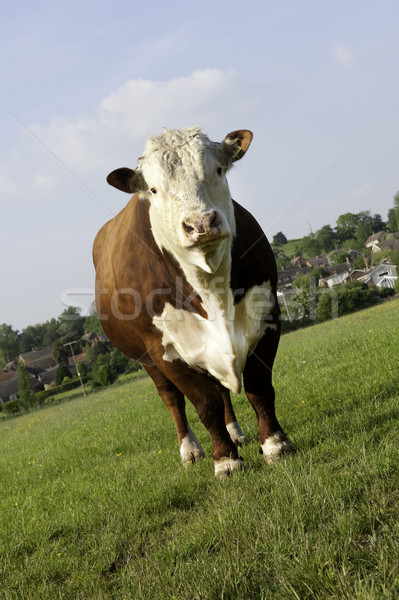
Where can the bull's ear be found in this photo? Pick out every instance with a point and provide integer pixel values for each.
(127, 180)
(237, 143)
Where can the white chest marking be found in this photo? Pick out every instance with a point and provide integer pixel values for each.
(221, 343)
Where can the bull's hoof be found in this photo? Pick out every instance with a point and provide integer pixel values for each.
(275, 446)
(227, 466)
(236, 434)
(242, 440)
(190, 449)
(192, 457)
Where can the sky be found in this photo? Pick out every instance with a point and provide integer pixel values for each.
(83, 85)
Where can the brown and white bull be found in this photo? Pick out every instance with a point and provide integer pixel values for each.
(186, 284)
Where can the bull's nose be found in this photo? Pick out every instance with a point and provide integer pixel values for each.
(202, 224)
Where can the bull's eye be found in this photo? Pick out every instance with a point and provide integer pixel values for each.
(219, 171)
(153, 190)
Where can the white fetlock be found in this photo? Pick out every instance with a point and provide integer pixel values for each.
(190, 449)
(275, 446)
(227, 466)
(237, 434)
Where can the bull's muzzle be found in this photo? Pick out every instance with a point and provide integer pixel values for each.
(203, 227)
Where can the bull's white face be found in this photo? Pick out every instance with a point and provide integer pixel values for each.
(191, 210)
(183, 175)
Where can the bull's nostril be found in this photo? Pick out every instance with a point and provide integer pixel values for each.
(215, 222)
(187, 228)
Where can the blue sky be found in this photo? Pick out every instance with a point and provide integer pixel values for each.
(84, 83)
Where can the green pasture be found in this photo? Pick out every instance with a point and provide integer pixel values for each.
(95, 505)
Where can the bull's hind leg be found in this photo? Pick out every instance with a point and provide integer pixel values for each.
(230, 419)
(190, 448)
(260, 392)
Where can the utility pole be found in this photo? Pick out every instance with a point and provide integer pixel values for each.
(286, 307)
(77, 368)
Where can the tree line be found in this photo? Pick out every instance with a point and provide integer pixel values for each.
(69, 326)
(103, 362)
(351, 231)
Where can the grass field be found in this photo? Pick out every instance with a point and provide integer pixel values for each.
(289, 248)
(95, 504)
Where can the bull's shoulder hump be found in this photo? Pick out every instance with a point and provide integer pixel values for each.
(129, 230)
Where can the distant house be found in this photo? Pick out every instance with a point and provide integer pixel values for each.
(375, 238)
(48, 377)
(8, 387)
(318, 261)
(391, 244)
(381, 240)
(91, 338)
(34, 357)
(353, 254)
(383, 275)
(287, 276)
(10, 366)
(298, 262)
(338, 274)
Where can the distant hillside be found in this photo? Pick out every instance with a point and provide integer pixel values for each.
(291, 247)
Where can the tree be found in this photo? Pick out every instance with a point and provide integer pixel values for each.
(391, 223)
(346, 226)
(102, 373)
(62, 372)
(393, 215)
(71, 322)
(326, 238)
(60, 352)
(24, 386)
(9, 343)
(337, 257)
(279, 239)
(309, 245)
(51, 332)
(32, 337)
(319, 272)
(92, 322)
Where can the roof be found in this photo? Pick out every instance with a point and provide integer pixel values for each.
(298, 261)
(42, 364)
(317, 261)
(10, 366)
(48, 376)
(338, 269)
(7, 388)
(384, 264)
(8, 376)
(375, 237)
(28, 357)
(78, 358)
(356, 274)
(392, 243)
(91, 335)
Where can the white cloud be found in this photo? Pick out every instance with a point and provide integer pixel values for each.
(342, 55)
(140, 108)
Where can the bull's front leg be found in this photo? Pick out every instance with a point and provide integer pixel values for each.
(211, 410)
(208, 402)
(190, 449)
